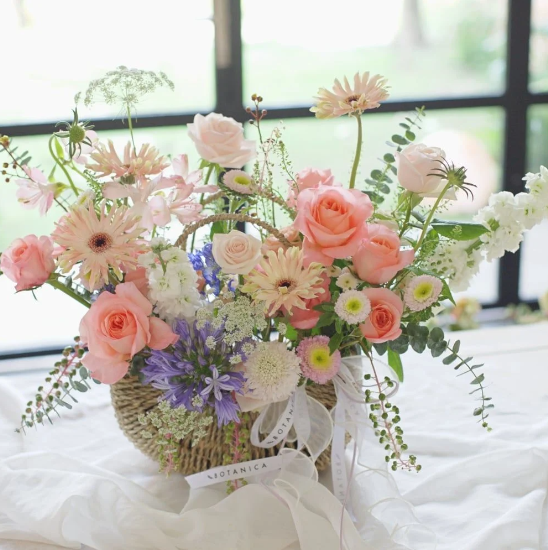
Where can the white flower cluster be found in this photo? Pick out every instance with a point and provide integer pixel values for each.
(455, 261)
(509, 216)
(172, 281)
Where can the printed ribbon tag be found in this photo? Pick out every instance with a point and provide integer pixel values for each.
(231, 472)
(281, 429)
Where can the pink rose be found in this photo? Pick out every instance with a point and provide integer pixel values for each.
(139, 278)
(309, 178)
(332, 219)
(417, 168)
(304, 319)
(118, 326)
(28, 261)
(379, 257)
(220, 139)
(236, 252)
(272, 243)
(383, 323)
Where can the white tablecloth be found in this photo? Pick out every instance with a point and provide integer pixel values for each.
(81, 481)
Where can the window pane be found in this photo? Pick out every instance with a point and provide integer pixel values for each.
(538, 78)
(426, 48)
(62, 52)
(471, 137)
(534, 260)
(54, 318)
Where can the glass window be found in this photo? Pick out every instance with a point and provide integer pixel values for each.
(60, 57)
(538, 66)
(470, 137)
(534, 260)
(53, 319)
(426, 48)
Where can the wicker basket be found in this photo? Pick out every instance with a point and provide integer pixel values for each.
(131, 398)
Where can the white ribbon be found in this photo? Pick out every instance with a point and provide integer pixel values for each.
(281, 429)
(231, 472)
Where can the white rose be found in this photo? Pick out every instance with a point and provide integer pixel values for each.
(417, 165)
(220, 140)
(236, 252)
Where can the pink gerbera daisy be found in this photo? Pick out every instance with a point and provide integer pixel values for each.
(317, 363)
(366, 93)
(282, 280)
(99, 242)
(147, 162)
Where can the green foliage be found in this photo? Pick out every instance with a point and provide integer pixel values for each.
(459, 231)
(394, 360)
(68, 375)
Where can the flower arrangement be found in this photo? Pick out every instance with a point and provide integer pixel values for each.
(226, 321)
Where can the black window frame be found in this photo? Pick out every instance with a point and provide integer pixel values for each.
(515, 102)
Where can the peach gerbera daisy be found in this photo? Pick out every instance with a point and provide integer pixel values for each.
(99, 242)
(282, 280)
(147, 162)
(366, 93)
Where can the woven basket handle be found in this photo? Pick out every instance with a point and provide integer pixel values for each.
(192, 228)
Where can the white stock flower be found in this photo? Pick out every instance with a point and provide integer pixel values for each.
(537, 184)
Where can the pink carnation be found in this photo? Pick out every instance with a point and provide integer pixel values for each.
(316, 361)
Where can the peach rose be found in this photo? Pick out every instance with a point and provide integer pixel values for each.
(383, 323)
(272, 243)
(309, 178)
(236, 252)
(28, 261)
(417, 167)
(332, 219)
(304, 319)
(118, 326)
(220, 139)
(379, 257)
(139, 278)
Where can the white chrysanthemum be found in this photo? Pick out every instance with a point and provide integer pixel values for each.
(452, 260)
(272, 371)
(347, 281)
(173, 283)
(353, 306)
(421, 292)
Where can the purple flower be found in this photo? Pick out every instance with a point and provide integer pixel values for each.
(193, 369)
(203, 260)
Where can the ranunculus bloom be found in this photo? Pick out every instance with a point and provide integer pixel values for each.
(379, 257)
(309, 178)
(220, 139)
(28, 261)
(236, 252)
(332, 219)
(118, 326)
(383, 323)
(304, 319)
(418, 166)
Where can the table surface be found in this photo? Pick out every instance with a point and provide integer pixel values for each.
(476, 490)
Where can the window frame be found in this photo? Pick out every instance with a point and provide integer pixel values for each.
(515, 102)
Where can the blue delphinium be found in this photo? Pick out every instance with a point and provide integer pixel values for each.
(203, 260)
(197, 372)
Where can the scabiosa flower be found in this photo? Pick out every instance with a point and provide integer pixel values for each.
(283, 281)
(239, 181)
(134, 166)
(99, 242)
(347, 281)
(353, 306)
(421, 292)
(204, 262)
(316, 361)
(272, 371)
(35, 191)
(366, 93)
(198, 365)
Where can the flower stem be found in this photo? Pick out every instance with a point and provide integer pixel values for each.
(431, 214)
(54, 282)
(130, 126)
(61, 165)
(208, 175)
(358, 153)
